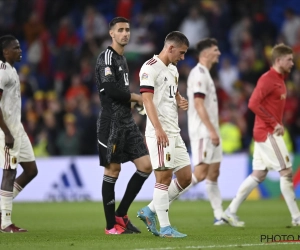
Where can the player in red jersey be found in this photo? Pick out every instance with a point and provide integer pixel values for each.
(270, 152)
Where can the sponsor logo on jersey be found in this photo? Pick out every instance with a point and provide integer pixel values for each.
(120, 68)
(107, 71)
(144, 76)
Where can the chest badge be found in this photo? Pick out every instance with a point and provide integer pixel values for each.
(176, 80)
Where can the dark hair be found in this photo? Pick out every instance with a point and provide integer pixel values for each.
(118, 19)
(205, 44)
(4, 43)
(177, 37)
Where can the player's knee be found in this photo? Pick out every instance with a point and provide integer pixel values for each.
(200, 175)
(213, 175)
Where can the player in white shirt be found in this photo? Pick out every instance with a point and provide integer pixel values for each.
(203, 124)
(168, 153)
(15, 146)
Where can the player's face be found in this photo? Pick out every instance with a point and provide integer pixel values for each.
(213, 54)
(120, 33)
(286, 63)
(177, 53)
(13, 52)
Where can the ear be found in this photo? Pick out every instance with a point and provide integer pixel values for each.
(111, 33)
(170, 48)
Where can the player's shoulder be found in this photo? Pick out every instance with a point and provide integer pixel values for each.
(2, 65)
(265, 77)
(150, 66)
(107, 56)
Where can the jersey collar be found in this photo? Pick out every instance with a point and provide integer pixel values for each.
(281, 76)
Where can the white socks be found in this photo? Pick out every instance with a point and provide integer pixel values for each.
(214, 195)
(6, 208)
(161, 204)
(287, 190)
(174, 191)
(17, 189)
(244, 190)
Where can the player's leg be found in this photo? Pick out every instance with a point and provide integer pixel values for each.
(199, 156)
(183, 171)
(136, 151)
(135, 184)
(260, 156)
(6, 194)
(27, 162)
(111, 173)
(287, 190)
(110, 154)
(213, 192)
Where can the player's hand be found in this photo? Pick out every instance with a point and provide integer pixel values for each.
(9, 140)
(162, 138)
(215, 139)
(183, 103)
(278, 130)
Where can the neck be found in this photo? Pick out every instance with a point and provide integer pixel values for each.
(164, 58)
(118, 48)
(277, 69)
(205, 63)
(10, 63)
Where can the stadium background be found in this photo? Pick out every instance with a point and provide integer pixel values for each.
(61, 40)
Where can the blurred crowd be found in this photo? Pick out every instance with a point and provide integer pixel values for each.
(61, 40)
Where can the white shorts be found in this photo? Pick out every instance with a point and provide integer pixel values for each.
(271, 154)
(203, 151)
(21, 152)
(175, 156)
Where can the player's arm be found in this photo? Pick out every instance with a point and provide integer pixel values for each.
(161, 136)
(202, 112)
(261, 91)
(181, 101)
(9, 140)
(109, 83)
(147, 79)
(198, 82)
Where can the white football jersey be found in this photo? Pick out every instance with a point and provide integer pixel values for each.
(200, 84)
(162, 81)
(11, 99)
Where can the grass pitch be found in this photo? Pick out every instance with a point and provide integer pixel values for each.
(81, 226)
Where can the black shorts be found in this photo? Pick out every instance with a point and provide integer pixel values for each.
(119, 145)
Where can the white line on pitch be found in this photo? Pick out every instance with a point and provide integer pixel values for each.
(222, 246)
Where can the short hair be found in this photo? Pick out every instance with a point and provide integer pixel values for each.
(116, 20)
(280, 50)
(177, 37)
(4, 43)
(205, 44)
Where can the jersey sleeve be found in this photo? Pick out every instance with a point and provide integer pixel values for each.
(198, 83)
(147, 76)
(106, 67)
(106, 71)
(3, 76)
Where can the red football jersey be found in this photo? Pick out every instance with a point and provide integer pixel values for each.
(267, 102)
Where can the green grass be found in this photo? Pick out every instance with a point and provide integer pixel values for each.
(81, 226)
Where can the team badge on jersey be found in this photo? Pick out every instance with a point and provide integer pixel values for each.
(287, 159)
(176, 80)
(144, 76)
(168, 156)
(14, 160)
(107, 71)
